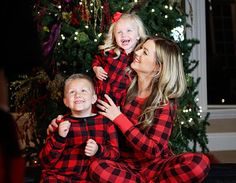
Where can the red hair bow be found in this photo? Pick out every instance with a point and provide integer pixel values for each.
(116, 16)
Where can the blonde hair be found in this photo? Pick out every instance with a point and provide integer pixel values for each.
(110, 42)
(79, 76)
(168, 83)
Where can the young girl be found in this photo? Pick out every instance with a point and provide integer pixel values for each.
(116, 54)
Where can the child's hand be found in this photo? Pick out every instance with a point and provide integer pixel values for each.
(100, 73)
(53, 125)
(64, 128)
(91, 148)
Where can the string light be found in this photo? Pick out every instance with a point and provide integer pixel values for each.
(63, 37)
(178, 33)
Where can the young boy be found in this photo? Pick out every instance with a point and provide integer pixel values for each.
(80, 137)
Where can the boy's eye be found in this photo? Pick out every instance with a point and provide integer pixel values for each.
(84, 90)
(71, 92)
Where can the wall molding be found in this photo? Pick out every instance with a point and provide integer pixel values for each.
(221, 141)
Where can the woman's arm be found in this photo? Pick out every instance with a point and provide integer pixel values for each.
(153, 140)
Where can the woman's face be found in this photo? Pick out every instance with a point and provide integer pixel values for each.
(145, 59)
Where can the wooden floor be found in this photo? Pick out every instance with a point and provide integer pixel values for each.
(224, 156)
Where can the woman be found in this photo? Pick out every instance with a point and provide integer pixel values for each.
(146, 120)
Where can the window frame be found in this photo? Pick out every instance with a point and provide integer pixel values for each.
(198, 31)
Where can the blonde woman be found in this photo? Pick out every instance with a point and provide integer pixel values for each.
(145, 122)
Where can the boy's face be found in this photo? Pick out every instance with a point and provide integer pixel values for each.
(126, 34)
(79, 96)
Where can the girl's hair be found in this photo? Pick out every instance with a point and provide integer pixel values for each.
(79, 76)
(110, 42)
(168, 83)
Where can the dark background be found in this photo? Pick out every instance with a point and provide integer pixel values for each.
(20, 44)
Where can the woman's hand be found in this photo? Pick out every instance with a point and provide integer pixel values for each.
(53, 125)
(111, 111)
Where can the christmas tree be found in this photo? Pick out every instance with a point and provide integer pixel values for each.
(70, 32)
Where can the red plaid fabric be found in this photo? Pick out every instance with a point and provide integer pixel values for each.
(145, 155)
(118, 81)
(63, 159)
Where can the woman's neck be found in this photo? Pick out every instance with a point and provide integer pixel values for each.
(143, 87)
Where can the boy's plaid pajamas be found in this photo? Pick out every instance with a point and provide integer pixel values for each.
(63, 159)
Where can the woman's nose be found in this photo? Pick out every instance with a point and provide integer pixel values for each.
(137, 52)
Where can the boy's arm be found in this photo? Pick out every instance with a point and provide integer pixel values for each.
(110, 150)
(52, 150)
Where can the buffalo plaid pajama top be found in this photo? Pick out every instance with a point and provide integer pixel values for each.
(117, 81)
(63, 159)
(145, 155)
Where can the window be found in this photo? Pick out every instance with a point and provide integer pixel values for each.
(198, 30)
(221, 51)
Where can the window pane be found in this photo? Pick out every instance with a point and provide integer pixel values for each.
(221, 51)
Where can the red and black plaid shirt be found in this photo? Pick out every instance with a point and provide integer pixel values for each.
(64, 158)
(118, 81)
(139, 147)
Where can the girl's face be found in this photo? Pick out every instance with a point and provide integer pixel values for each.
(145, 59)
(79, 97)
(126, 34)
